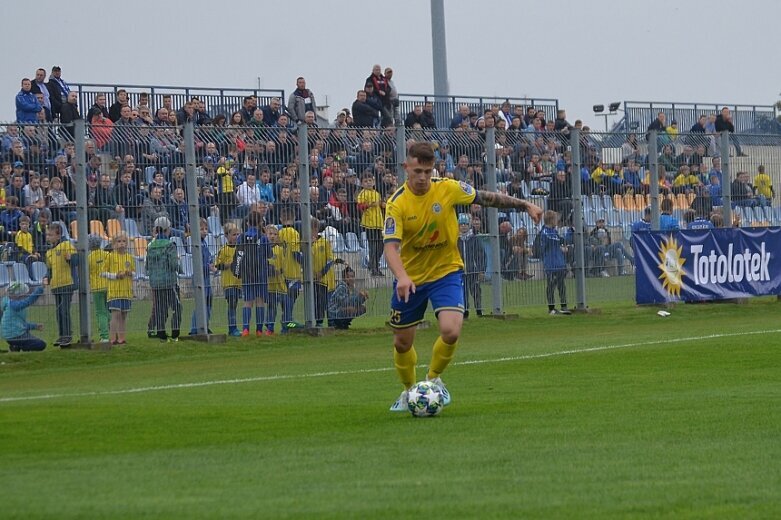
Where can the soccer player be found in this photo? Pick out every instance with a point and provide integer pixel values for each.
(421, 237)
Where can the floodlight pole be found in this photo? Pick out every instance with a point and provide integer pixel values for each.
(82, 241)
(439, 56)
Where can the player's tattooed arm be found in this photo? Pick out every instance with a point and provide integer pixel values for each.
(492, 199)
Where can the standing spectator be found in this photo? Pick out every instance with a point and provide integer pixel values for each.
(763, 186)
(119, 269)
(473, 256)
(69, 112)
(38, 86)
(14, 326)
(99, 285)
(554, 263)
(394, 93)
(208, 269)
(724, 122)
(162, 265)
(153, 209)
(60, 280)
(324, 278)
(58, 90)
(364, 113)
(301, 101)
(250, 266)
(370, 204)
(658, 124)
(277, 290)
(346, 302)
(115, 111)
(230, 283)
(27, 105)
(382, 89)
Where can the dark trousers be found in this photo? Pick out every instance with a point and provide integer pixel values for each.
(62, 301)
(165, 299)
(232, 295)
(275, 300)
(321, 301)
(26, 343)
(555, 280)
(340, 323)
(472, 286)
(374, 238)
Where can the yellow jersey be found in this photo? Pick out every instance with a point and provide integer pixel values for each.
(97, 265)
(427, 228)
(372, 215)
(276, 281)
(764, 185)
(120, 289)
(686, 180)
(24, 241)
(58, 261)
(322, 253)
(224, 260)
(290, 241)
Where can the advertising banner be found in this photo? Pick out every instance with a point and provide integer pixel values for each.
(702, 265)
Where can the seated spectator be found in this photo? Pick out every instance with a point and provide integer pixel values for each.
(247, 194)
(667, 222)
(461, 117)
(714, 190)
(346, 302)
(609, 249)
(743, 191)
(153, 208)
(9, 219)
(178, 211)
(59, 206)
(517, 262)
(685, 182)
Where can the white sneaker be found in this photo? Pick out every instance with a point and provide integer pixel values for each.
(445, 394)
(604, 274)
(401, 403)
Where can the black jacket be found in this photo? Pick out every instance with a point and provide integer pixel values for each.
(722, 124)
(473, 254)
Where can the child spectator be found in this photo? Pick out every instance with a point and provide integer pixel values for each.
(25, 245)
(208, 269)
(290, 241)
(277, 290)
(554, 263)
(38, 231)
(9, 219)
(119, 269)
(230, 283)
(473, 256)
(763, 186)
(99, 285)
(14, 325)
(250, 266)
(714, 188)
(370, 204)
(324, 278)
(162, 266)
(346, 303)
(60, 280)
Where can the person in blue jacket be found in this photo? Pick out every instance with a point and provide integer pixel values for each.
(208, 269)
(554, 262)
(27, 104)
(14, 326)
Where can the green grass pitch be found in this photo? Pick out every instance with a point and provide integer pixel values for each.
(621, 414)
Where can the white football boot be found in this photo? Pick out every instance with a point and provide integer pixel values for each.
(401, 403)
(445, 394)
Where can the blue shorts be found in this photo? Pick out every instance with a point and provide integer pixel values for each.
(447, 293)
(253, 291)
(121, 304)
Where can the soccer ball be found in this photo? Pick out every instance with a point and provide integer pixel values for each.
(424, 399)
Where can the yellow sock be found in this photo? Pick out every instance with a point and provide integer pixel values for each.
(405, 366)
(441, 357)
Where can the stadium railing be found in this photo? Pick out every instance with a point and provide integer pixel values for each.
(215, 160)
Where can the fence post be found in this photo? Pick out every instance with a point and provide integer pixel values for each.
(306, 226)
(82, 242)
(577, 222)
(493, 224)
(653, 178)
(401, 151)
(199, 285)
(726, 179)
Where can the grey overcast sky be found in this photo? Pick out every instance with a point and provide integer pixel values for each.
(581, 52)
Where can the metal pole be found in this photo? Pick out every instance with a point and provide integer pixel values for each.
(653, 178)
(439, 56)
(199, 285)
(82, 226)
(493, 224)
(306, 225)
(726, 179)
(401, 151)
(577, 222)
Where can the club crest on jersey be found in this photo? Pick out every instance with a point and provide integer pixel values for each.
(436, 208)
(390, 226)
(466, 187)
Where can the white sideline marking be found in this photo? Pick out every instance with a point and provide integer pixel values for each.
(281, 377)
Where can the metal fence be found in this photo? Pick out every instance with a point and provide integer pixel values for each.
(100, 181)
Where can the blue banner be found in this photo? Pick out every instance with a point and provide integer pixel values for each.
(701, 265)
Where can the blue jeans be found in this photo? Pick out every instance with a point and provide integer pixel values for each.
(26, 343)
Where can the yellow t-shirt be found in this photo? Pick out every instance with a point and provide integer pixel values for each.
(276, 281)
(322, 253)
(372, 216)
(97, 265)
(427, 228)
(24, 241)
(225, 259)
(764, 185)
(226, 179)
(120, 289)
(59, 266)
(290, 241)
